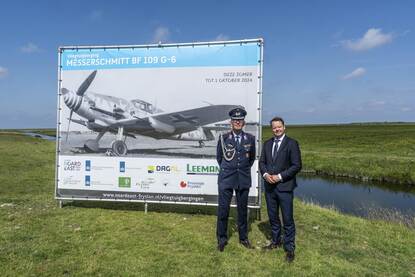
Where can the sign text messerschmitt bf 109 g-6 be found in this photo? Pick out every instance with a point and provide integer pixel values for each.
(140, 123)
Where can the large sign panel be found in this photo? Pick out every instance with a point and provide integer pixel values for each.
(141, 123)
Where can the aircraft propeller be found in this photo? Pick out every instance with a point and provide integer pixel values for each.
(80, 92)
(85, 85)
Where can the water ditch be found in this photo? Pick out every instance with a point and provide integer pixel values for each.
(366, 199)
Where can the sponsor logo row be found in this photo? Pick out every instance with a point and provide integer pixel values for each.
(125, 182)
(145, 184)
(76, 165)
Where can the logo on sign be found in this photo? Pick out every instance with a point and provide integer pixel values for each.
(122, 166)
(71, 180)
(162, 168)
(124, 182)
(191, 184)
(69, 165)
(145, 184)
(202, 169)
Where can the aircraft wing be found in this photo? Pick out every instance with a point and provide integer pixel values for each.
(159, 125)
(133, 122)
(217, 128)
(193, 118)
(81, 122)
(90, 125)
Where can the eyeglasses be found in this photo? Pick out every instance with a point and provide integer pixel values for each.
(237, 120)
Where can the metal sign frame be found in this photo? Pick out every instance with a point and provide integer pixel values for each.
(259, 42)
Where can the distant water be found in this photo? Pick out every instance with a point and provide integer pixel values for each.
(358, 198)
(36, 135)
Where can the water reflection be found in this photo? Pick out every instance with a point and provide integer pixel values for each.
(358, 198)
(37, 135)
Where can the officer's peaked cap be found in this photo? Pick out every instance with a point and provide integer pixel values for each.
(237, 113)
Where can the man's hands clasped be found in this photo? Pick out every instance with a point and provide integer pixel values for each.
(272, 179)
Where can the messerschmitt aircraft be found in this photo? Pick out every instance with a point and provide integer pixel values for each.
(103, 113)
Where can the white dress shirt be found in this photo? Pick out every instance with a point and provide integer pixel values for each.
(275, 148)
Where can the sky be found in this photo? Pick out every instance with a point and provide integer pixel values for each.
(325, 62)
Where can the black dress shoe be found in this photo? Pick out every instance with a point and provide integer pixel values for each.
(246, 243)
(289, 256)
(272, 245)
(221, 246)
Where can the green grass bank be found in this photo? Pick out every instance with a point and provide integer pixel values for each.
(108, 239)
(380, 152)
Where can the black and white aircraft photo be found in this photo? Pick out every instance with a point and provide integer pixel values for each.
(103, 114)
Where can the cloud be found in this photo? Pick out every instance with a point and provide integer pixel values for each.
(371, 39)
(30, 48)
(372, 105)
(95, 15)
(310, 110)
(3, 71)
(376, 103)
(337, 35)
(161, 34)
(222, 37)
(406, 109)
(404, 33)
(358, 72)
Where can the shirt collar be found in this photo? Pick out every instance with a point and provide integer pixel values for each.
(240, 134)
(280, 138)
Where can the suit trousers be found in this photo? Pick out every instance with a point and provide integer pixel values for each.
(281, 200)
(225, 197)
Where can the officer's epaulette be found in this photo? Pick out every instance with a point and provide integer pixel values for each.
(249, 135)
(227, 135)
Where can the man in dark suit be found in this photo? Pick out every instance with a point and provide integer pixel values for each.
(279, 163)
(235, 154)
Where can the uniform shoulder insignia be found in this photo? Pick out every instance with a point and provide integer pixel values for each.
(249, 136)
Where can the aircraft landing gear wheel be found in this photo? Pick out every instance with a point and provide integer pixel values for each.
(119, 148)
(201, 144)
(91, 146)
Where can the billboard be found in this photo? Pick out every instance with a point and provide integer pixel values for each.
(141, 123)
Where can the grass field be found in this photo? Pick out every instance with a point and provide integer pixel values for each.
(44, 131)
(382, 152)
(106, 239)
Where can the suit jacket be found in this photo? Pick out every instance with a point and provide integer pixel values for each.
(287, 162)
(236, 173)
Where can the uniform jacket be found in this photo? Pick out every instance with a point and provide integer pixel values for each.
(287, 163)
(236, 173)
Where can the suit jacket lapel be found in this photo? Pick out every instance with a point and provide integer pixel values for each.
(282, 146)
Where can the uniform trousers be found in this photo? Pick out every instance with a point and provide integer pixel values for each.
(225, 197)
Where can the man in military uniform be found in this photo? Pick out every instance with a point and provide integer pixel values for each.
(235, 155)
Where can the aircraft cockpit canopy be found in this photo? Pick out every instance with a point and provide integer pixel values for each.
(144, 106)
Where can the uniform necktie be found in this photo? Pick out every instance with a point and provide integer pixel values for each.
(237, 140)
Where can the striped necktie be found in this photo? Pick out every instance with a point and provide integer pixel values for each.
(275, 148)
